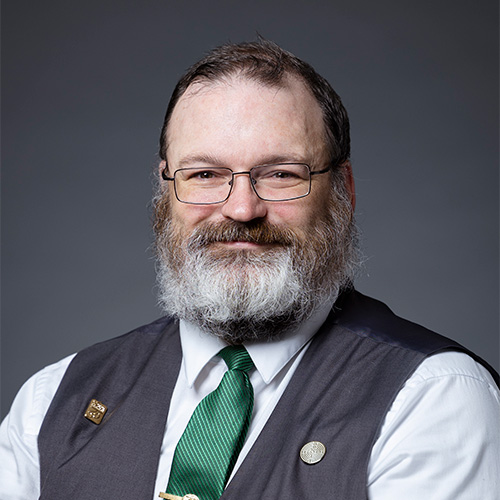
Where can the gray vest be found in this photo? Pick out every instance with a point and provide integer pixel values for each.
(339, 395)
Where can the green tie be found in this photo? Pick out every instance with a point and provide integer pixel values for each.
(208, 449)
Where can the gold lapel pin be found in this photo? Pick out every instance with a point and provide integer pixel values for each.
(95, 411)
(313, 452)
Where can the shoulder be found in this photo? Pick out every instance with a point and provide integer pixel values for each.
(19, 471)
(448, 389)
(35, 396)
(123, 350)
(453, 365)
(440, 437)
(371, 319)
(142, 335)
(20, 428)
(450, 381)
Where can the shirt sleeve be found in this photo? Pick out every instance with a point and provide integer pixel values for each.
(441, 438)
(19, 459)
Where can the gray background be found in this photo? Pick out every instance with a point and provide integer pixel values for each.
(84, 90)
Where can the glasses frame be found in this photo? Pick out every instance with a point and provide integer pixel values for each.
(165, 177)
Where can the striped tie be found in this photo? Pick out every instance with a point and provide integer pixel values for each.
(208, 449)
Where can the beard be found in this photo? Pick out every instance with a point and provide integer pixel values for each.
(242, 295)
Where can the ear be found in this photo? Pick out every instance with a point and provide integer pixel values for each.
(161, 167)
(349, 183)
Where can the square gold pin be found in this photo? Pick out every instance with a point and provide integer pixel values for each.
(95, 411)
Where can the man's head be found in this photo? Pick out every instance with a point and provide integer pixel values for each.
(243, 267)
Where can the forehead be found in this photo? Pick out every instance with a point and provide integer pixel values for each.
(243, 118)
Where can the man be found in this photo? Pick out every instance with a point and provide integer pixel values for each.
(256, 244)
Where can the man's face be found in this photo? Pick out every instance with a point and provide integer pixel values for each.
(239, 125)
(246, 268)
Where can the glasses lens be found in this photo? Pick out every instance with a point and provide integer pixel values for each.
(283, 181)
(202, 185)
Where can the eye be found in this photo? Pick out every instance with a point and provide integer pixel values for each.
(201, 174)
(279, 174)
(283, 174)
(205, 174)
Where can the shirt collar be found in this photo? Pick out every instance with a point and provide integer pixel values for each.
(198, 347)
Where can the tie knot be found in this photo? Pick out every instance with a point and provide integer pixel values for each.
(237, 358)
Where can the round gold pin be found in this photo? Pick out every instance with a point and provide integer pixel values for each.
(312, 452)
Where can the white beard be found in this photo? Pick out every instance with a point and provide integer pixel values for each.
(242, 295)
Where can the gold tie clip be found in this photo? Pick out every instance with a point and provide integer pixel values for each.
(168, 496)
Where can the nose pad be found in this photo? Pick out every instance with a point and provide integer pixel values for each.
(243, 204)
(252, 180)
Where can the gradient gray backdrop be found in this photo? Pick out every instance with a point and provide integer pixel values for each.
(84, 90)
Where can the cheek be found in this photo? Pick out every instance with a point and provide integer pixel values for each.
(189, 216)
(303, 215)
(297, 215)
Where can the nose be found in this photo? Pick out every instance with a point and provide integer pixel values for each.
(243, 204)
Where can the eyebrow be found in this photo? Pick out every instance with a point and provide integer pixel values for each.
(212, 160)
(200, 158)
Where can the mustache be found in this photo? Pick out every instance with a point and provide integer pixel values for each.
(258, 232)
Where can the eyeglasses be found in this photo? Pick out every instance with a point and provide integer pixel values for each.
(211, 185)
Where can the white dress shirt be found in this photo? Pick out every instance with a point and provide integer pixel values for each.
(440, 439)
